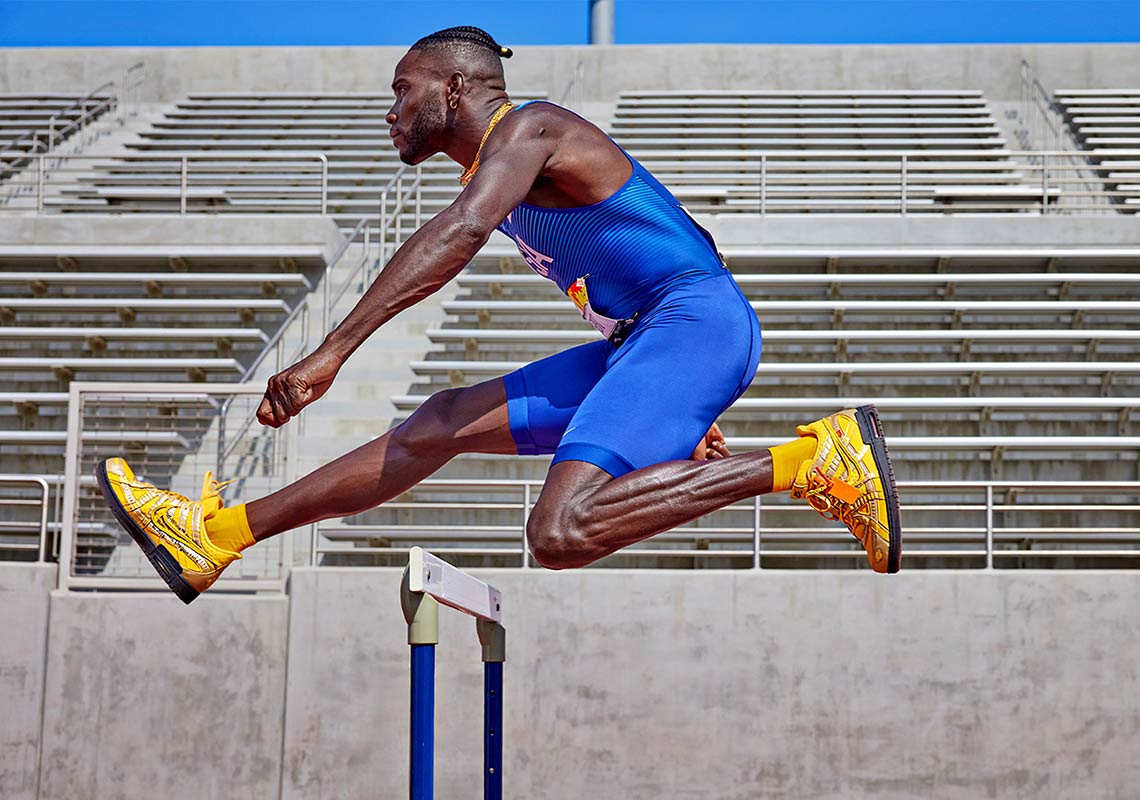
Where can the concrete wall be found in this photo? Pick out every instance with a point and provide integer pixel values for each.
(315, 233)
(820, 232)
(175, 72)
(147, 698)
(24, 593)
(619, 684)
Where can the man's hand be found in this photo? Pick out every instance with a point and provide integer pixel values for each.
(291, 390)
(711, 447)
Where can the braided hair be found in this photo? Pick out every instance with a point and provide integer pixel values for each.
(463, 35)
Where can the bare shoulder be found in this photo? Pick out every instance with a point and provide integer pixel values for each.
(581, 164)
(541, 118)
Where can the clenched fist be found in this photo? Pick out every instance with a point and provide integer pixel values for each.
(292, 389)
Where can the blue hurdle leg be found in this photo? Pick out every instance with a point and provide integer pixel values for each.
(493, 730)
(493, 637)
(422, 614)
(423, 722)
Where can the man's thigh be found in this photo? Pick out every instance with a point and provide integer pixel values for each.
(543, 396)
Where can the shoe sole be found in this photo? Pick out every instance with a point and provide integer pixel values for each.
(872, 430)
(160, 558)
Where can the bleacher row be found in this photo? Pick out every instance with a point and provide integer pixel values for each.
(720, 152)
(984, 362)
(1107, 124)
(37, 123)
(258, 141)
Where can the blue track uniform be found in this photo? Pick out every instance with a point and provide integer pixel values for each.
(692, 349)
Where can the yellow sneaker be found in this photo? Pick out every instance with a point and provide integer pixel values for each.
(851, 480)
(168, 527)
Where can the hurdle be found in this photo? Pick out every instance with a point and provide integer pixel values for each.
(428, 581)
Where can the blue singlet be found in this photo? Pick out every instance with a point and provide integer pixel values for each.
(693, 349)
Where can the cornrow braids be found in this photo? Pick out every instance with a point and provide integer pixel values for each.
(466, 34)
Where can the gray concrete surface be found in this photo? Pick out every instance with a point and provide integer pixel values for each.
(839, 230)
(24, 593)
(607, 70)
(78, 231)
(147, 698)
(734, 686)
(619, 684)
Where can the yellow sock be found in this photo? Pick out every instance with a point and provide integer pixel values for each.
(786, 461)
(228, 528)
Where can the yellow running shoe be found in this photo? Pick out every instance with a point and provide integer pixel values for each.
(169, 527)
(851, 480)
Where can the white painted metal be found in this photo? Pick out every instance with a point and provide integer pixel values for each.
(453, 587)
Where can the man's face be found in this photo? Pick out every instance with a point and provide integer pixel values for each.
(418, 117)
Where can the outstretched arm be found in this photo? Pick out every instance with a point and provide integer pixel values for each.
(429, 259)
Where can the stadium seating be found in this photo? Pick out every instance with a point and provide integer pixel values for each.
(36, 123)
(349, 129)
(824, 150)
(984, 364)
(1013, 362)
(1106, 122)
(125, 313)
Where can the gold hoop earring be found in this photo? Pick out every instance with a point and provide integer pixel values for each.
(453, 103)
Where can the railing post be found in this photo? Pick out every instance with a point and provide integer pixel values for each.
(526, 519)
(763, 184)
(419, 193)
(324, 183)
(396, 213)
(43, 484)
(220, 463)
(326, 321)
(756, 532)
(902, 184)
(40, 184)
(367, 253)
(182, 186)
(989, 526)
(383, 243)
(70, 487)
(1044, 183)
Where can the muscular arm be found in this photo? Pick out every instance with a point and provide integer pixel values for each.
(430, 258)
(439, 250)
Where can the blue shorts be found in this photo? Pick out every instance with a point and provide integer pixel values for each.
(649, 400)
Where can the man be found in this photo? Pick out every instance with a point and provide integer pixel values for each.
(620, 415)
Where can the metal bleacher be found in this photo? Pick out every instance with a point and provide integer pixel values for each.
(259, 144)
(824, 151)
(152, 313)
(37, 123)
(987, 364)
(1106, 123)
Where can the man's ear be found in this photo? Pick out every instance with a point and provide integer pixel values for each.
(455, 87)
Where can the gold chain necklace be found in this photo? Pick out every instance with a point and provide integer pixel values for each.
(501, 112)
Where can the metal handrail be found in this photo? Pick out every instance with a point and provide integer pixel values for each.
(79, 105)
(1049, 114)
(179, 165)
(330, 297)
(273, 347)
(903, 182)
(41, 481)
(133, 78)
(755, 531)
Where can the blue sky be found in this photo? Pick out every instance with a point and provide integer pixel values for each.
(33, 23)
